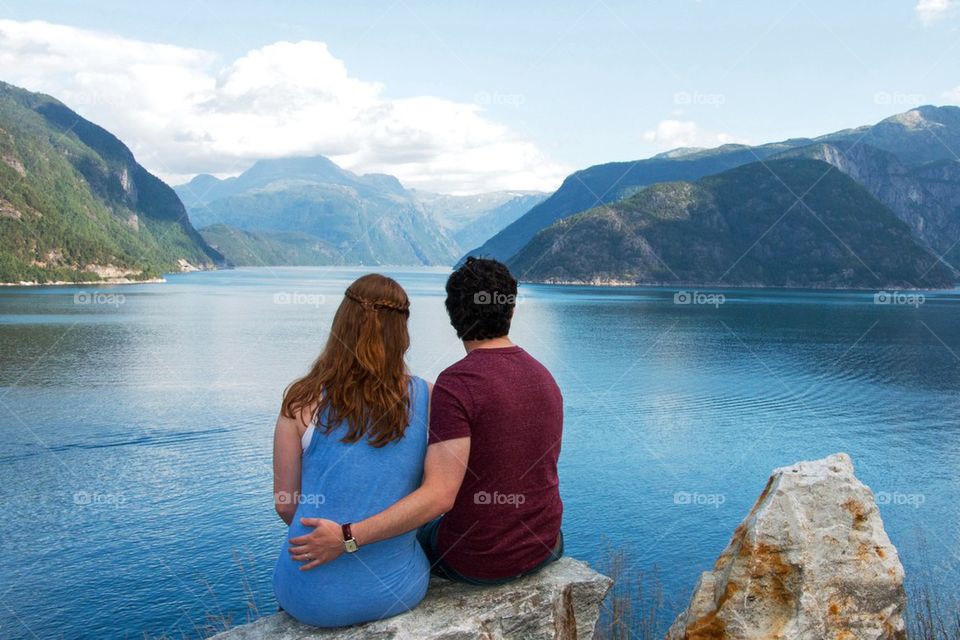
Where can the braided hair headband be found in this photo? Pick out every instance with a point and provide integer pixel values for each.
(371, 305)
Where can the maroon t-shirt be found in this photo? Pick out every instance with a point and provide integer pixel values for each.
(506, 518)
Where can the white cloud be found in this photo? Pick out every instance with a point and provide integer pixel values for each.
(953, 95)
(929, 11)
(183, 111)
(670, 134)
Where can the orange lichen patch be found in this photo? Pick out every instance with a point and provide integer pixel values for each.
(774, 582)
(770, 580)
(857, 510)
(709, 627)
(770, 577)
(880, 551)
(712, 626)
(741, 531)
(838, 616)
(736, 541)
(728, 592)
(836, 609)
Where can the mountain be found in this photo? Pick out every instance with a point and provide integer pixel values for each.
(311, 211)
(265, 248)
(364, 219)
(609, 182)
(919, 136)
(742, 227)
(76, 206)
(926, 197)
(472, 219)
(279, 173)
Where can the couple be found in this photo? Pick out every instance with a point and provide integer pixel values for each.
(385, 478)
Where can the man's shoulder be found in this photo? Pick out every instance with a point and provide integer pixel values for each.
(533, 362)
(537, 369)
(455, 370)
(456, 378)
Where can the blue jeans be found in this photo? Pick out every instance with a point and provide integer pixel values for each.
(427, 536)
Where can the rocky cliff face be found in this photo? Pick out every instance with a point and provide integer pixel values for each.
(76, 206)
(918, 136)
(810, 561)
(562, 602)
(926, 197)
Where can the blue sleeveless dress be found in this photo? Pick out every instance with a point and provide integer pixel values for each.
(348, 483)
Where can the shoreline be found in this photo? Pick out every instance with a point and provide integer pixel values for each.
(620, 284)
(94, 283)
(114, 276)
(612, 284)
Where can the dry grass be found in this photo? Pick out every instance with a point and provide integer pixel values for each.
(634, 610)
(931, 615)
(215, 619)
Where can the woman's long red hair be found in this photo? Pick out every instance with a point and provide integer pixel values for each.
(360, 379)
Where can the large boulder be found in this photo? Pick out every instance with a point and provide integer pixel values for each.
(810, 562)
(561, 602)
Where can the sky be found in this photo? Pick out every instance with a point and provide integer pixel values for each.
(462, 97)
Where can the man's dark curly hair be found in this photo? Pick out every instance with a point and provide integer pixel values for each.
(481, 295)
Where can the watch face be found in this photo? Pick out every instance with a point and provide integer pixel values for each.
(350, 545)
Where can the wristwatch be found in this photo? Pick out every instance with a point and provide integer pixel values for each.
(349, 542)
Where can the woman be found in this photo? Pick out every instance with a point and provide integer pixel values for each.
(350, 441)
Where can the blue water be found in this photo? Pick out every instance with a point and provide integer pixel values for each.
(136, 429)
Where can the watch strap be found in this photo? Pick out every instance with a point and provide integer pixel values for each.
(349, 542)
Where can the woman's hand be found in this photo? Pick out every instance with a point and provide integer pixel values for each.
(323, 544)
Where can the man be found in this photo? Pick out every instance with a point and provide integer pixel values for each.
(490, 498)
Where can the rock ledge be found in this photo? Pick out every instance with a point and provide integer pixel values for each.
(562, 602)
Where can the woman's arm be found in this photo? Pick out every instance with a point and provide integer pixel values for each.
(443, 471)
(444, 468)
(287, 452)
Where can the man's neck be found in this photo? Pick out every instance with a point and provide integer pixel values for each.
(493, 343)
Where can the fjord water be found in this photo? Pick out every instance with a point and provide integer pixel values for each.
(137, 422)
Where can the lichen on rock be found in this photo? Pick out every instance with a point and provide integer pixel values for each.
(811, 561)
